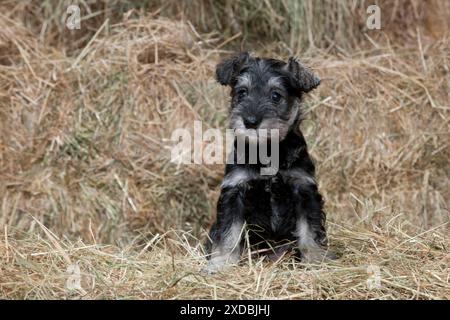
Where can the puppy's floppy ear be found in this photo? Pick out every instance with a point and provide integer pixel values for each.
(304, 80)
(227, 70)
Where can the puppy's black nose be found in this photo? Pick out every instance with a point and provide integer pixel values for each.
(251, 122)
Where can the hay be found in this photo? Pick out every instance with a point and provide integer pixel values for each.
(310, 24)
(95, 142)
(85, 176)
(408, 266)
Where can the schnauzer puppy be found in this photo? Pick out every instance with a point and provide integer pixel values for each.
(278, 212)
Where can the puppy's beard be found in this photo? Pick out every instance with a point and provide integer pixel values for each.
(262, 134)
(283, 126)
(251, 135)
(242, 132)
(259, 141)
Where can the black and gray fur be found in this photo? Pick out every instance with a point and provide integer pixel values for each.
(282, 211)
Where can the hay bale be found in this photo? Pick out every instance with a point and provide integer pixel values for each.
(85, 137)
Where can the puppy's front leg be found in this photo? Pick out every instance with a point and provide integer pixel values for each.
(226, 233)
(310, 225)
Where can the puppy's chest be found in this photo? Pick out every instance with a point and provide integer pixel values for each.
(269, 204)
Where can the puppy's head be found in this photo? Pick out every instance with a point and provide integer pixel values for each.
(265, 92)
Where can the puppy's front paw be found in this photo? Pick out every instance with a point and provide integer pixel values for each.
(331, 255)
(211, 268)
(317, 255)
(207, 271)
(219, 263)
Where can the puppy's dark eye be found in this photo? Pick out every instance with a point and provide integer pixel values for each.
(276, 97)
(241, 93)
